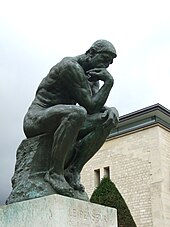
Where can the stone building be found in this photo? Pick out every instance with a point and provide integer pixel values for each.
(136, 157)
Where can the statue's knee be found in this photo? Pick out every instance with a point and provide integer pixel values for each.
(78, 114)
(82, 112)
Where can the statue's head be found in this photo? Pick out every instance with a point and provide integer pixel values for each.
(102, 45)
(101, 54)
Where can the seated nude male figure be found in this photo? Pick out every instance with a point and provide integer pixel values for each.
(70, 105)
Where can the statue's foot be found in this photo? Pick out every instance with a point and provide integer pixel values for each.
(73, 178)
(59, 184)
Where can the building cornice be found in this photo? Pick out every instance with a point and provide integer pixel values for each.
(143, 118)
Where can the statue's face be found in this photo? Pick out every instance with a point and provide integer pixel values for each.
(101, 60)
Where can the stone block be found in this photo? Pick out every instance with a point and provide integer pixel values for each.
(32, 162)
(57, 211)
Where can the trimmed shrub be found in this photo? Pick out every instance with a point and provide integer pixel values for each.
(108, 195)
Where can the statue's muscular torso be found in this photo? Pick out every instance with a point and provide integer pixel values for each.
(51, 98)
(52, 90)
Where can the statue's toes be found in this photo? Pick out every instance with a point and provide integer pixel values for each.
(79, 187)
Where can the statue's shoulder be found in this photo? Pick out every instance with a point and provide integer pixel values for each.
(69, 62)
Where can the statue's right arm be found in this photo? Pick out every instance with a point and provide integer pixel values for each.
(76, 82)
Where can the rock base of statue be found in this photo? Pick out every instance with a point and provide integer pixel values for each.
(57, 211)
(33, 159)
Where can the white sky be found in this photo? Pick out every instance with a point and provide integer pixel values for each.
(35, 35)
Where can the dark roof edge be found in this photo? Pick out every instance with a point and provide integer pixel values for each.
(143, 118)
(148, 109)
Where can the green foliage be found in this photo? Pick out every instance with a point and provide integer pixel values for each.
(108, 195)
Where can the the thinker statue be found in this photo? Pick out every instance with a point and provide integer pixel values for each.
(69, 104)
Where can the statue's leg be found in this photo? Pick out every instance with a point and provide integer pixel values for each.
(65, 122)
(91, 138)
(65, 135)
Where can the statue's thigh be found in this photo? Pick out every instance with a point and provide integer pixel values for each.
(53, 117)
(47, 120)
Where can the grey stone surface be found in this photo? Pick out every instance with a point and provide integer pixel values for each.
(57, 211)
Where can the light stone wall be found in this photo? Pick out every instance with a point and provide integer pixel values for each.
(139, 164)
(164, 144)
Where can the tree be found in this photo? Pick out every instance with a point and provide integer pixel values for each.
(108, 195)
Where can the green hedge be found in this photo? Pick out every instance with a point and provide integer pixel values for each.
(108, 195)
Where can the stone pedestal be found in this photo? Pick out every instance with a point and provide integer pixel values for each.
(57, 211)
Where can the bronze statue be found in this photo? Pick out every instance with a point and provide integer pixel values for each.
(69, 104)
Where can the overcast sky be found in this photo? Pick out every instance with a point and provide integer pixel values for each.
(35, 35)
